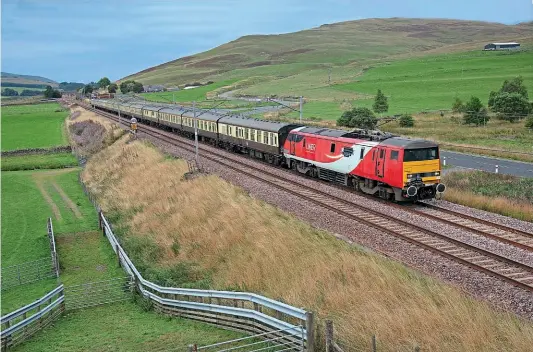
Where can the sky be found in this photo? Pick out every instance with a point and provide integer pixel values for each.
(82, 40)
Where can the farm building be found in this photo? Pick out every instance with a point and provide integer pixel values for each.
(502, 46)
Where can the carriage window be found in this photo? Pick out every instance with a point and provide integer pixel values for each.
(332, 149)
(394, 155)
(361, 156)
(276, 140)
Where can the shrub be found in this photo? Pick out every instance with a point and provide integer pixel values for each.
(358, 118)
(406, 121)
(458, 106)
(475, 113)
(529, 122)
(510, 106)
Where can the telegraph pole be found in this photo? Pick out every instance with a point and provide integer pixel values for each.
(301, 107)
(195, 132)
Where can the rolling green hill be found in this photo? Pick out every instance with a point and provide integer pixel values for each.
(26, 79)
(346, 48)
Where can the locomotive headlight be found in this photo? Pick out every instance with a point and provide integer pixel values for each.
(409, 175)
(437, 173)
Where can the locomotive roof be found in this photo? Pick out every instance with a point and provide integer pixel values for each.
(408, 143)
(269, 126)
(355, 134)
(207, 116)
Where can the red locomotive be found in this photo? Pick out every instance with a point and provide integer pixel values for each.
(394, 168)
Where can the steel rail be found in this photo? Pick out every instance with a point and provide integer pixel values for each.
(446, 251)
(523, 239)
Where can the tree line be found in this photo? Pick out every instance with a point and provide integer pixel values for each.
(104, 82)
(509, 103)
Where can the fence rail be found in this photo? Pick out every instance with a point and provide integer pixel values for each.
(17, 326)
(98, 293)
(241, 311)
(51, 238)
(27, 272)
(35, 270)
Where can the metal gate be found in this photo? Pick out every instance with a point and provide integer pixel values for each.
(292, 339)
(98, 293)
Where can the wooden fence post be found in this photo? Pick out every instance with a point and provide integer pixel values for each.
(374, 345)
(329, 336)
(118, 255)
(100, 225)
(310, 331)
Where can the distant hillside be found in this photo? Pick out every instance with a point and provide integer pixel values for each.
(349, 45)
(26, 79)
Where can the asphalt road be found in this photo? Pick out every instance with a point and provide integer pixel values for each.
(509, 167)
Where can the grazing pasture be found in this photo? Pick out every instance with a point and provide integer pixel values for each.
(33, 126)
(433, 82)
(38, 161)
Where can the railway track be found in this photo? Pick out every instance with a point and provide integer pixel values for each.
(498, 232)
(506, 269)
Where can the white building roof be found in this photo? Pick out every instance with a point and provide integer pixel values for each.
(510, 43)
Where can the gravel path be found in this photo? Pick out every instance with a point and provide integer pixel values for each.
(500, 294)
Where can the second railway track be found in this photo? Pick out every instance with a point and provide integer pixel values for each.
(509, 270)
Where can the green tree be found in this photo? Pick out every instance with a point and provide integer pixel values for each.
(49, 92)
(380, 103)
(112, 88)
(406, 121)
(8, 92)
(88, 89)
(516, 85)
(511, 106)
(137, 87)
(358, 118)
(104, 82)
(475, 113)
(458, 106)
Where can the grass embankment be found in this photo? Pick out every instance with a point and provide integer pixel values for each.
(33, 126)
(229, 240)
(497, 193)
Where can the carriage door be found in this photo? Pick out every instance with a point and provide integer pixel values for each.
(380, 162)
(292, 143)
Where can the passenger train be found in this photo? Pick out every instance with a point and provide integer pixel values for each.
(373, 162)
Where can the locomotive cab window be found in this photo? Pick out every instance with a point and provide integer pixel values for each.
(421, 154)
(394, 155)
(362, 153)
(332, 149)
(381, 153)
(347, 151)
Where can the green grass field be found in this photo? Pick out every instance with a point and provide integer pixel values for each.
(33, 126)
(123, 327)
(433, 82)
(38, 161)
(28, 199)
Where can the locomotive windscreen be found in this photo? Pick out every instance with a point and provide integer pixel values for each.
(421, 154)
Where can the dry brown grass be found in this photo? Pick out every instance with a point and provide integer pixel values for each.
(498, 193)
(249, 244)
